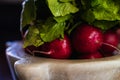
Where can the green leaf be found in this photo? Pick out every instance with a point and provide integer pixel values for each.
(28, 14)
(86, 4)
(52, 30)
(62, 18)
(60, 8)
(104, 25)
(103, 9)
(66, 0)
(88, 16)
(33, 37)
(106, 10)
(44, 31)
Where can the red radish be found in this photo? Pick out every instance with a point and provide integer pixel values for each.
(87, 38)
(93, 55)
(58, 48)
(110, 42)
(118, 33)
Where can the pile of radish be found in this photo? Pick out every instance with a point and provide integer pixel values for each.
(85, 42)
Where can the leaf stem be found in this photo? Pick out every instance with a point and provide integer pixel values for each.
(37, 51)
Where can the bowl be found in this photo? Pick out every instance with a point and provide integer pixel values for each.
(27, 67)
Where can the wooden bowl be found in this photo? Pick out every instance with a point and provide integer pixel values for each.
(27, 67)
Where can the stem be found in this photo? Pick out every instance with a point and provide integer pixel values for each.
(37, 51)
(43, 52)
(70, 30)
(30, 51)
(112, 47)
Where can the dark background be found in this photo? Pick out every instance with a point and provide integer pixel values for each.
(9, 31)
(9, 21)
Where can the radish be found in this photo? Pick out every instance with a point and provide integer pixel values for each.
(118, 33)
(93, 55)
(87, 38)
(58, 48)
(110, 42)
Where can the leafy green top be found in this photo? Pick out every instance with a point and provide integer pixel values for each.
(49, 19)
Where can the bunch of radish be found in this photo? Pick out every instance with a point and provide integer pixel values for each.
(91, 42)
(85, 42)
